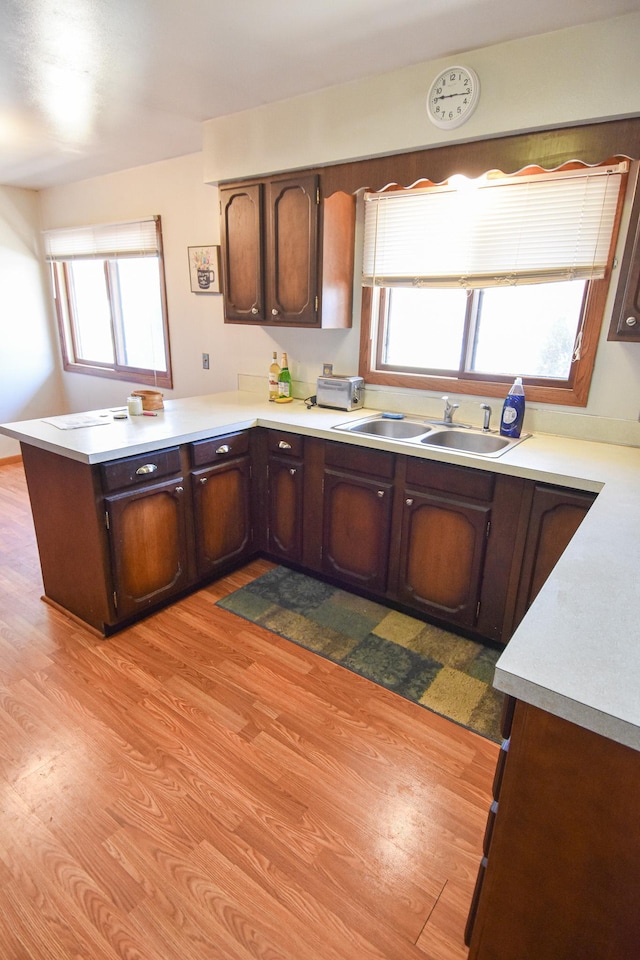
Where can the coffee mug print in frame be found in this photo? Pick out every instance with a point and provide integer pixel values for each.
(204, 269)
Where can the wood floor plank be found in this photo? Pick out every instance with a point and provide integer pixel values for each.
(196, 787)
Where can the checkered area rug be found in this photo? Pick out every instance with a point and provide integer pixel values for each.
(439, 670)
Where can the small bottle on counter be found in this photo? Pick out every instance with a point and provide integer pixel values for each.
(274, 373)
(284, 379)
(513, 411)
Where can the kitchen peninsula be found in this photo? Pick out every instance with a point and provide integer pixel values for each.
(572, 665)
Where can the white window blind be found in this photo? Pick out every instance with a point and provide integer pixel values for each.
(135, 238)
(492, 232)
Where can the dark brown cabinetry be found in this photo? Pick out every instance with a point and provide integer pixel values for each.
(243, 252)
(285, 492)
(146, 522)
(287, 255)
(625, 317)
(556, 513)
(560, 876)
(445, 527)
(149, 556)
(221, 484)
(467, 547)
(358, 501)
(456, 543)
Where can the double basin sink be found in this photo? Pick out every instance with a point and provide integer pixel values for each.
(435, 433)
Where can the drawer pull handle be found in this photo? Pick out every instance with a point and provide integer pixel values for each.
(283, 445)
(292, 471)
(203, 479)
(409, 502)
(146, 468)
(224, 448)
(179, 489)
(631, 321)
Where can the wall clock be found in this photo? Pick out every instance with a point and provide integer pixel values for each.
(453, 96)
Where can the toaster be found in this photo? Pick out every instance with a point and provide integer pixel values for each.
(342, 393)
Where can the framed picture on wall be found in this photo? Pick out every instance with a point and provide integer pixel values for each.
(204, 269)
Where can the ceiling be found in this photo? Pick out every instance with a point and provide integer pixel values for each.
(89, 87)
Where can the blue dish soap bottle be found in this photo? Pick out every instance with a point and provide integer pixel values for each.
(513, 410)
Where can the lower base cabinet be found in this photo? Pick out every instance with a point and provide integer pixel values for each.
(221, 492)
(285, 475)
(464, 546)
(445, 526)
(556, 513)
(357, 509)
(148, 543)
(559, 880)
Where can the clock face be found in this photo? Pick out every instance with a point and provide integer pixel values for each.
(453, 97)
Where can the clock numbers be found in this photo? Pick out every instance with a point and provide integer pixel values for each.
(453, 97)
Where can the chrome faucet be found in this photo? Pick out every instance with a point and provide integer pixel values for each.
(487, 415)
(449, 410)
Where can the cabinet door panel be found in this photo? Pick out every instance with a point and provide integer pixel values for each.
(443, 546)
(285, 508)
(148, 545)
(556, 514)
(222, 514)
(292, 263)
(625, 316)
(242, 252)
(357, 522)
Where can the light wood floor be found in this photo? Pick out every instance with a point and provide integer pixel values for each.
(196, 787)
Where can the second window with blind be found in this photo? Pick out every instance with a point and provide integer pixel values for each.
(109, 290)
(469, 284)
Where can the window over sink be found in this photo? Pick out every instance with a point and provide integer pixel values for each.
(468, 284)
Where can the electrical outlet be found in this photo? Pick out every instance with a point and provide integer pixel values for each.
(205, 361)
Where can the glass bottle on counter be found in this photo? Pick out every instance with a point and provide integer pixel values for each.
(284, 379)
(274, 374)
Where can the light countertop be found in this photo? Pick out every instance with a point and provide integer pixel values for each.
(576, 654)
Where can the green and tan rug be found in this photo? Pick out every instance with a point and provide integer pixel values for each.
(437, 669)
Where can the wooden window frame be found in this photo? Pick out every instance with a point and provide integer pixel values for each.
(572, 392)
(64, 308)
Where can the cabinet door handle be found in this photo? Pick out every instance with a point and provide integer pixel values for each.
(283, 445)
(274, 312)
(146, 468)
(224, 448)
(292, 471)
(203, 479)
(381, 493)
(254, 310)
(631, 321)
(409, 502)
(179, 489)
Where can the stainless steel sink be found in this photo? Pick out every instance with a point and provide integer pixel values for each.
(462, 438)
(383, 427)
(482, 443)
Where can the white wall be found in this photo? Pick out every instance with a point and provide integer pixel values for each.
(176, 190)
(569, 76)
(30, 380)
(576, 75)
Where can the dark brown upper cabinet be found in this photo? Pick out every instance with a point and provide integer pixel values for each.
(287, 254)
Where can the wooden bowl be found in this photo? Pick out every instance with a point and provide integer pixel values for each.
(151, 399)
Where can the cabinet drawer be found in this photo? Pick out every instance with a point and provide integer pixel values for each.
(378, 463)
(131, 471)
(455, 480)
(219, 448)
(285, 444)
